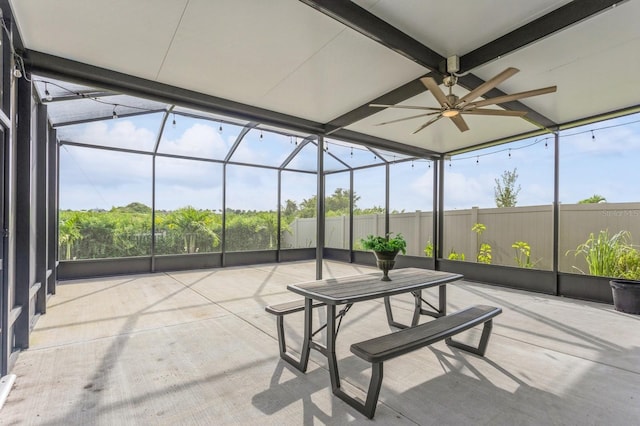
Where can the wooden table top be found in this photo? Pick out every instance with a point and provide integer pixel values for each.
(357, 288)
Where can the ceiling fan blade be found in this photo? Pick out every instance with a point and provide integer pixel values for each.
(515, 96)
(433, 87)
(408, 118)
(460, 123)
(433, 120)
(404, 107)
(488, 85)
(501, 112)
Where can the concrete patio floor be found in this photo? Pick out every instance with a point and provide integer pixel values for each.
(197, 347)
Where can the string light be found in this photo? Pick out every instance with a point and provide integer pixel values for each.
(351, 152)
(478, 160)
(173, 124)
(509, 152)
(220, 129)
(261, 136)
(593, 137)
(115, 114)
(412, 164)
(92, 98)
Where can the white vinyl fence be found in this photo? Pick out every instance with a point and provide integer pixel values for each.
(504, 227)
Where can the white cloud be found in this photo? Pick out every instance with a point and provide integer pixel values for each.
(463, 192)
(198, 140)
(122, 133)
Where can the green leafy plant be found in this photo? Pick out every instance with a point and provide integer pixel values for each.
(484, 254)
(384, 244)
(628, 265)
(609, 256)
(505, 191)
(428, 249)
(453, 255)
(523, 254)
(594, 199)
(484, 249)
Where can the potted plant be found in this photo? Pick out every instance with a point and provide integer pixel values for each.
(385, 249)
(615, 257)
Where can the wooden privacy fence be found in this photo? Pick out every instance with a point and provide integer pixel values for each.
(504, 227)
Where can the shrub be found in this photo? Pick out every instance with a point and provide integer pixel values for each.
(386, 243)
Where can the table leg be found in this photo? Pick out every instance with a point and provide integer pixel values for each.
(334, 374)
(331, 347)
(302, 363)
(442, 299)
(417, 308)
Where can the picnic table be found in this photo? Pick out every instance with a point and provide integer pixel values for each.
(345, 291)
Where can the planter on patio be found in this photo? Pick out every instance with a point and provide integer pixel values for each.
(386, 260)
(626, 295)
(385, 249)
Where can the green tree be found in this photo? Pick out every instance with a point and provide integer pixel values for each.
(335, 205)
(290, 208)
(268, 222)
(68, 231)
(190, 223)
(505, 191)
(134, 207)
(594, 199)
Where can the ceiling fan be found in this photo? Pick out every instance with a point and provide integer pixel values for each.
(453, 107)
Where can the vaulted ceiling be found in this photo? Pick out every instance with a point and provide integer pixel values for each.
(317, 65)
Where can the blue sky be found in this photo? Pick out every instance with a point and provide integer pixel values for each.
(603, 162)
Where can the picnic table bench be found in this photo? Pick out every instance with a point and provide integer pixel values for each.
(383, 348)
(349, 290)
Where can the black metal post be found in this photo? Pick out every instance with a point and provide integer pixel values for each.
(351, 207)
(39, 141)
(556, 208)
(320, 224)
(52, 210)
(24, 205)
(386, 198)
(279, 218)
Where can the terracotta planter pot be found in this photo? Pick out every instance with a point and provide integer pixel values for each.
(385, 261)
(626, 295)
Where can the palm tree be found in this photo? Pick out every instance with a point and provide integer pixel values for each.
(594, 199)
(189, 223)
(268, 222)
(68, 232)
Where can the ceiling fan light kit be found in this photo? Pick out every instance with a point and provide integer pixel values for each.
(453, 107)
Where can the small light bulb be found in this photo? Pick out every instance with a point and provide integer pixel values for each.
(47, 95)
(115, 114)
(220, 128)
(17, 73)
